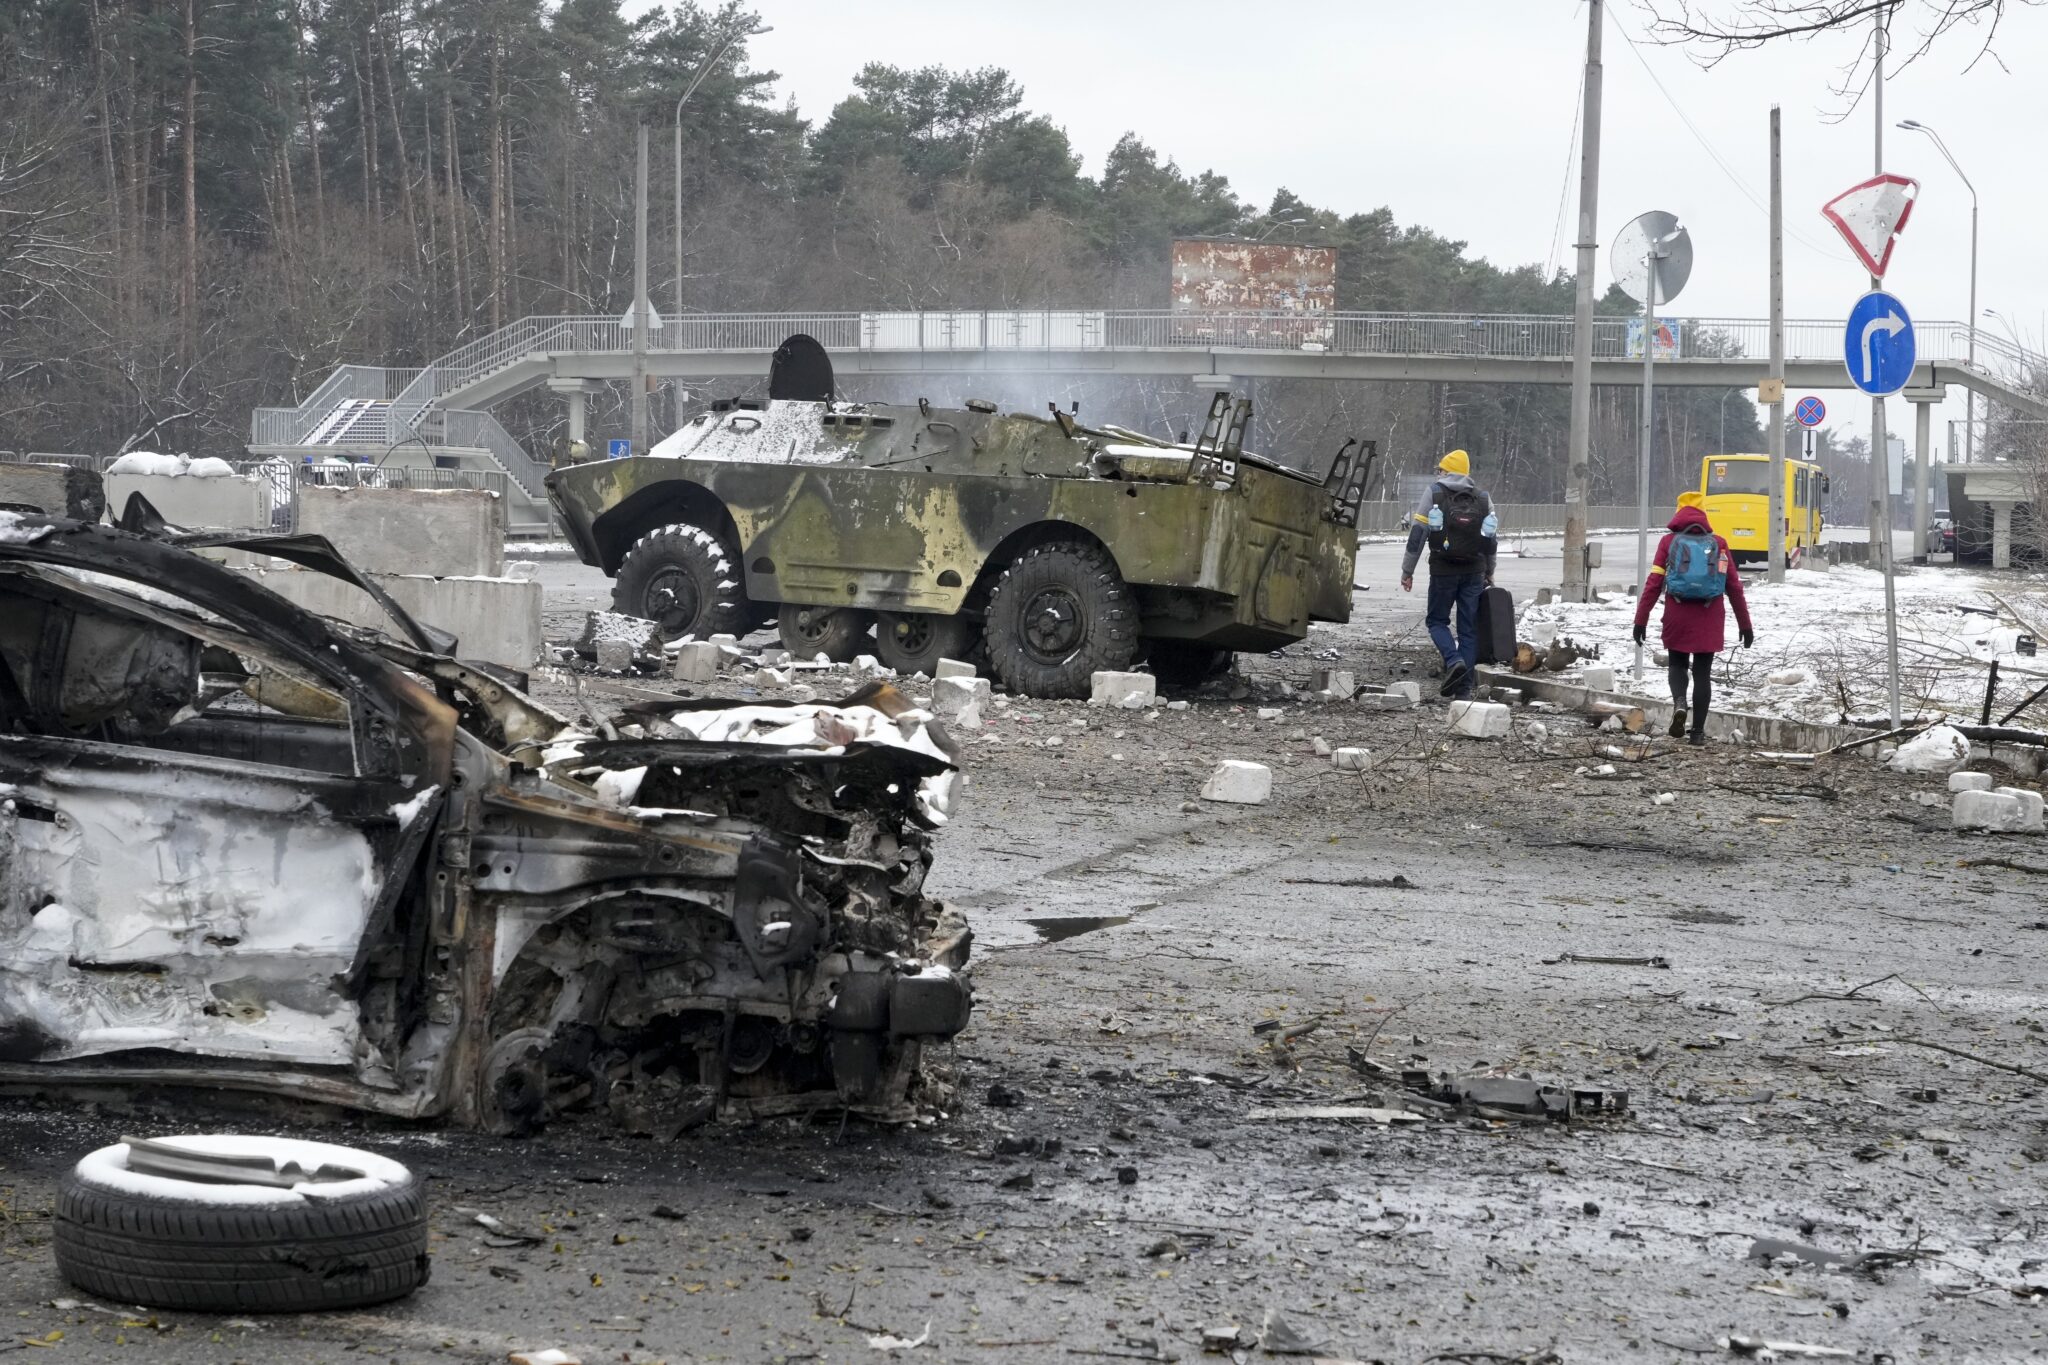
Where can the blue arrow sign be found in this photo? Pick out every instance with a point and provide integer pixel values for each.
(1811, 412)
(618, 450)
(1878, 345)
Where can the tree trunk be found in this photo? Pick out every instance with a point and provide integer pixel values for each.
(451, 159)
(496, 247)
(366, 111)
(190, 293)
(312, 126)
(412, 226)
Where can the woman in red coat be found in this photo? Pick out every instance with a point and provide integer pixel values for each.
(1694, 631)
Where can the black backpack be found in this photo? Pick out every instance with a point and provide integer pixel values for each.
(1462, 540)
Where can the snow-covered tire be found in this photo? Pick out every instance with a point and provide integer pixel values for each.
(1058, 614)
(914, 642)
(685, 580)
(838, 633)
(131, 1237)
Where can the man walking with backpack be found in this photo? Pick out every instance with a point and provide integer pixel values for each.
(1694, 572)
(1455, 518)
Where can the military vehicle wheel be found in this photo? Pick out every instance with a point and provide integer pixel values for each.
(684, 579)
(1058, 614)
(838, 633)
(915, 641)
(1177, 663)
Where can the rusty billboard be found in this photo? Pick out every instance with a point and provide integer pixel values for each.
(1218, 281)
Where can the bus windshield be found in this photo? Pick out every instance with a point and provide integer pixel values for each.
(1738, 476)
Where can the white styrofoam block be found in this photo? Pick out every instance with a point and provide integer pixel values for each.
(1988, 810)
(697, 662)
(1340, 683)
(1239, 782)
(1480, 719)
(1352, 760)
(1111, 688)
(951, 696)
(954, 668)
(2032, 809)
(1971, 782)
(1598, 677)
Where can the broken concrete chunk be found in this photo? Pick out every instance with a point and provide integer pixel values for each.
(1132, 691)
(1352, 760)
(697, 662)
(1992, 811)
(1270, 713)
(1239, 782)
(614, 656)
(1340, 683)
(951, 696)
(953, 668)
(638, 634)
(1971, 782)
(1176, 706)
(1480, 719)
(1598, 677)
(968, 717)
(1321, 746)
(2031, 808)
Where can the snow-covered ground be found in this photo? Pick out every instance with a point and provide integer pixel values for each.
(1820, 642)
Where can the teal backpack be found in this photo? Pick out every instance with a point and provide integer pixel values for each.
(1696, 569)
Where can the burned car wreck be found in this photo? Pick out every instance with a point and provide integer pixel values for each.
(246, 847)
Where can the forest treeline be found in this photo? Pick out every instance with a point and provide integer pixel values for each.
(206, 205)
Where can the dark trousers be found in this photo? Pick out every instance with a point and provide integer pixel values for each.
(1462, 591)
(1701, 669)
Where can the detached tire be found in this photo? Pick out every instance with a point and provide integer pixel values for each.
(1060, 613)
(132, 1237)
(685, 580)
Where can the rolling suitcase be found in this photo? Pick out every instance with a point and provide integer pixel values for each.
(1496, 626)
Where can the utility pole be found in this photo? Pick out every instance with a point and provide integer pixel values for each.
(1777, 507)
(1653, 272)
(1880, 445)
(642, 324)
(1578, 484)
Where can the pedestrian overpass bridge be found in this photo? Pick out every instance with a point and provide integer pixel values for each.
(443, 407)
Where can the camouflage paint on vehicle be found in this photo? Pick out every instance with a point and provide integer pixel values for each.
(914, 508)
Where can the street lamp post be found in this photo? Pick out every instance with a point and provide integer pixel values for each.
(688, 91)
(1970, 395)
(1279, 223)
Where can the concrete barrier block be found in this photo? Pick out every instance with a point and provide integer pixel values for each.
(697, 662)
(1352, 760)
(951, 696)
(1340, 683)
(496, 620)
(1239, 783)
(1480, 719)
(614, 656)
(441, 532)
(953, 668)
(1598, 677)
(55, 490)
(1993, 811)
(230, 503)
(1970, 782)
(2033, 810)
(1111, 688)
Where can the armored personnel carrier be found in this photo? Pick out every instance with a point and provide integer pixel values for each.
(1050, 548)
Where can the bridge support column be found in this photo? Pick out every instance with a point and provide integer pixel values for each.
(577, 392)
(2001, 532)
(1923, 401)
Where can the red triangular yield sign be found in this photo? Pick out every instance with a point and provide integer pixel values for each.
(1870, 216)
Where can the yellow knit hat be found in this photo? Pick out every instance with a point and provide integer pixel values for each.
(1692, 497)
(1457, 462)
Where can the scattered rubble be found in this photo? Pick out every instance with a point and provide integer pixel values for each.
(1239, 783)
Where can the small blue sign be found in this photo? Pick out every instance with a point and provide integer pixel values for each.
(1810, 411)
(618, 450)
(1878, 346)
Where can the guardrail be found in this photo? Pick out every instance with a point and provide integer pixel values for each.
(1516, 518)
(291, 426)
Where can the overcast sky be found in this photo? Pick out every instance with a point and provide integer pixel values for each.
(1459, 115)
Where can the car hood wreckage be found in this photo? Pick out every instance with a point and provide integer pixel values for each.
(246, 847)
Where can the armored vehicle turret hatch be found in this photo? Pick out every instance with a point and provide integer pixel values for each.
(1057, 549)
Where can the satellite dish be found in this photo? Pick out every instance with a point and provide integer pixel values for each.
(1663, 234)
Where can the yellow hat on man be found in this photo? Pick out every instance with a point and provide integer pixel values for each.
(1457, 462)
(1692, 497)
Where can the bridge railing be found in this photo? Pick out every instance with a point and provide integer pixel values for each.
(290, 426)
